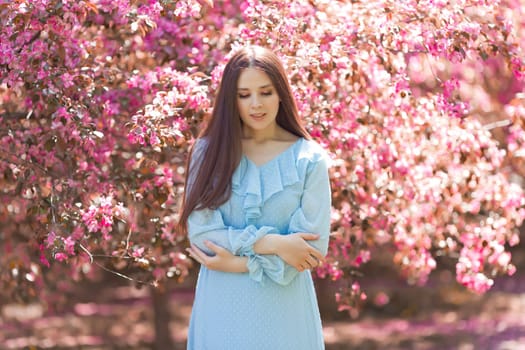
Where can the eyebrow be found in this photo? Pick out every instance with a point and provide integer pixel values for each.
(260, 87)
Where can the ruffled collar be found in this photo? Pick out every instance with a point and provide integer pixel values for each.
(259, 183)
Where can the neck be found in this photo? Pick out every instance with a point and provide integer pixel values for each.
(260, 136)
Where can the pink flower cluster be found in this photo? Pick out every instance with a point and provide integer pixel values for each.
(99, 217)
(166, 118)
(450, 103)
(351, 299)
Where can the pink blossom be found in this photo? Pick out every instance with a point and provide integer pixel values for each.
(69, 245)
(43, 259)
(60, 257)
(51, 237)
(138, 252)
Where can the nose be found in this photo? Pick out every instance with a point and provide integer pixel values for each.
(256, 102)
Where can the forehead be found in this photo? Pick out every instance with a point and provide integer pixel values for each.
(252, 78)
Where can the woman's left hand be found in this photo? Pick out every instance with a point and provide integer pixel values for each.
(223, 260)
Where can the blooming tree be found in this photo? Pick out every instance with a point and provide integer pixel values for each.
(102, 99)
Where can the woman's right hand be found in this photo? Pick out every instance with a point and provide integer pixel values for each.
(295, 250)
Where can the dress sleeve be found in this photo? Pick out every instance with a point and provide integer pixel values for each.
(313, 216)
(207, 224)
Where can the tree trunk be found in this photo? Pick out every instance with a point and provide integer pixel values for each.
(161, 314)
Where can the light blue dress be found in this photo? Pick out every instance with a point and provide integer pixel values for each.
(273, 306)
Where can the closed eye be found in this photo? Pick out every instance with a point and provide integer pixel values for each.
(263, 93)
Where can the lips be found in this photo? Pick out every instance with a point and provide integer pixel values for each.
(257, 116)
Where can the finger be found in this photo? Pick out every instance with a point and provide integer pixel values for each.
(203, 258)
(193, 255)
(297, 266)
(217, 249)
(309, 236)
(317, 254)
(196, 257)
(311, 261)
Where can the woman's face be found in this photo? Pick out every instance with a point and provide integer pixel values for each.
(257, 101)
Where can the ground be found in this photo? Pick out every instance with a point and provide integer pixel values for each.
(441, 315)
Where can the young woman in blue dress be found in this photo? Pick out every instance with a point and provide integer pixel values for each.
(256, 210)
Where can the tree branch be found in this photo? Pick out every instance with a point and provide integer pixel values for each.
(497, 124)
(27, 163)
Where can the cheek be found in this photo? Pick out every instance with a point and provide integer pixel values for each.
(241, 105)
(244, 109)
(276, 103)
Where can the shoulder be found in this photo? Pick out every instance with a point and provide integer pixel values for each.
(200, 143)
(197, 151)
(199, 146)
(312, 152)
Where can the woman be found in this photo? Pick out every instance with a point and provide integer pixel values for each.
(257, 212)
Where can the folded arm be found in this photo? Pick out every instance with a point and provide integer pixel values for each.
(208, 225)
(313, 216)
(264, 252)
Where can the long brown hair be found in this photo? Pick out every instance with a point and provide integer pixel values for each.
(211, 185)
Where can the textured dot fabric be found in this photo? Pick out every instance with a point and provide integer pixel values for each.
(273, 306)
